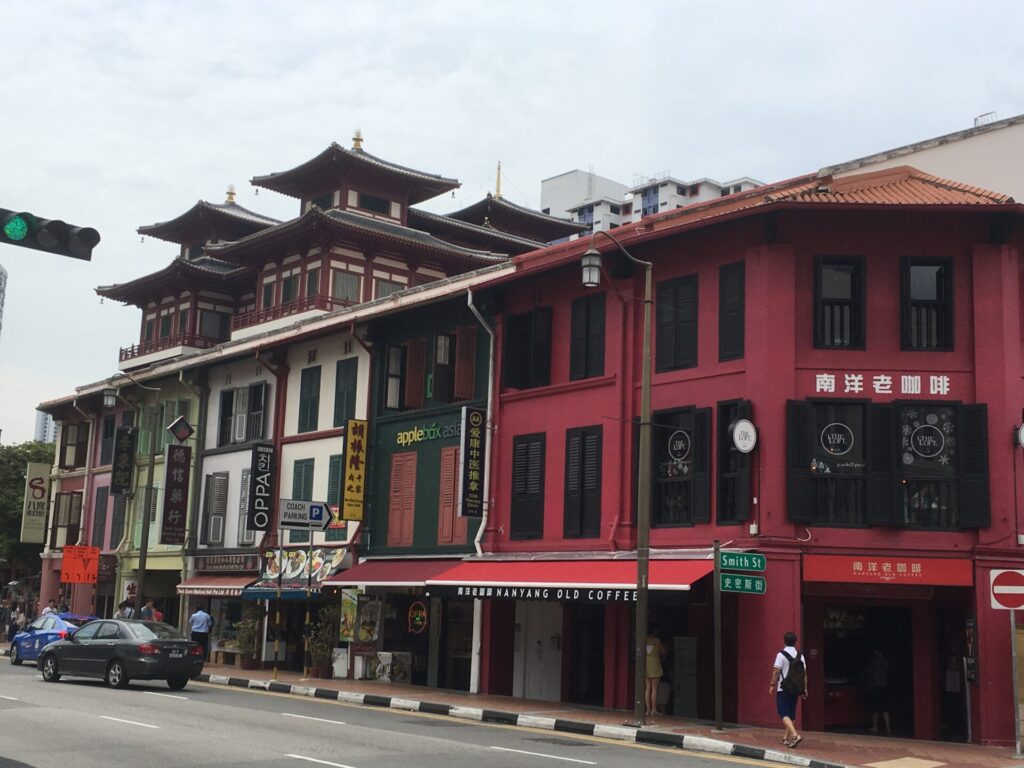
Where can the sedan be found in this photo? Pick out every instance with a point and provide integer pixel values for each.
(27, 644)
(117, 651)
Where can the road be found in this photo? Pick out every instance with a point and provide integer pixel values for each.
(83, 724)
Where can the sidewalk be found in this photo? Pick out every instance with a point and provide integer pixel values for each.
(821, 750)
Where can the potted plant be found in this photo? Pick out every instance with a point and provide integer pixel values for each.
(322, 639)
(247, 637)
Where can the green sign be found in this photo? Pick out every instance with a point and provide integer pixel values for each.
(747, 585)
(742, 561)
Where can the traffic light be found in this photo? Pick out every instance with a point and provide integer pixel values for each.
(51, 235)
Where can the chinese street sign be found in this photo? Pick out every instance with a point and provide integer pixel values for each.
(743, 561)
(354, 465)
(123, 461)
(33, 511)
(472, 458)
(79, 565)
(261, 482)
(298, 515)
(747, 585)
(177, 470)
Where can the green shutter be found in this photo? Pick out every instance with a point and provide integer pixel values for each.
(345, 391)
(334, 472)
(302, 489)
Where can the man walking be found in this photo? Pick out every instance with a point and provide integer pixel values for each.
(200, 623)
(789, 680)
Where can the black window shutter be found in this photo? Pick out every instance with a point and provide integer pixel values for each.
(99, 517)
(905, 303)
(665, 331)
(731, 282)
(701, 466)
(881, 460)
(686, 333)
(540, 347)
(527, 508)
(800, 451)
(590, 508)
(595, 335)
(974, 490)
(515, 349)
(578, 340)
(573, 482)
(535, 485)
(743, 411)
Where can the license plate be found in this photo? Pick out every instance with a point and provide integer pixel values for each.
(176, 653)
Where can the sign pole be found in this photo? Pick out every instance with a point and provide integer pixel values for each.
(1013, 686)
(718, 637)
(277, 606)
(305, 628)
(967, 700)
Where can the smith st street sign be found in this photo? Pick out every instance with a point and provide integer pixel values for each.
(743, 561)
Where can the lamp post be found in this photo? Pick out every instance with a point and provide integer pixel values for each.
(591, 263)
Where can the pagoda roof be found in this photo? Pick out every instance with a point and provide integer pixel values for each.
(228, 220)
(447, 227)
(322, 171)
(180, 274)
(316, 227)
(518, 220)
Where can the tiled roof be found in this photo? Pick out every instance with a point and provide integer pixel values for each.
(486, 206)
(163, 229)
(180, 269)
(458, 224)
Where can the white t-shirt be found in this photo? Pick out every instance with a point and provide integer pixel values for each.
(782, 663)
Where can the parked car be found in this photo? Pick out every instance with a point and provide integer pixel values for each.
(117, 651)
(27, 644)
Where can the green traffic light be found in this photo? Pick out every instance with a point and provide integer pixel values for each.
(16, 228)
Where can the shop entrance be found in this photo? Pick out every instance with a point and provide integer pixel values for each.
(585, 634)
(869, 669)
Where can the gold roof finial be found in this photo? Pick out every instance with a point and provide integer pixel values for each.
(497, 182)
(231, 194)
(357, 140)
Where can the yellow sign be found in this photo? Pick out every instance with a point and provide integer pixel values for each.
(355, 470)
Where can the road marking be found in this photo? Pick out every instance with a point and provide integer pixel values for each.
(166, 695)
(130, 722)
(322, 762)
(318, 719)
(8, 698)
(541, 754)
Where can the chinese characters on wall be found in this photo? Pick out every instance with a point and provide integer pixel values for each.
(881, 384)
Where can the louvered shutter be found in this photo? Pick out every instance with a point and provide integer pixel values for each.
(257, 409)
(590, 508)
(573, 483)
(665, 326)
(335, 467)
(974, 484)
(240, 415)
(446, 500)
(345, 390)
(227, 400)
(535, 486)
(686, 331)
(415, 372)
(204, 531)
(800, 451)
(117, 520)
(219, 508)
(395, 501)
(246, 537)
(99, 517)
(595, 335)
(514, 352)
(578, 340)
(74, 519)
(402, 500)
(881, 461)
(730, 311)
(527, 507)
(409, 500)
(540, 347)
(701, 466)
(465, 362)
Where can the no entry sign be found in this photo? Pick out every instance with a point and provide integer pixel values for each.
(1007, 590)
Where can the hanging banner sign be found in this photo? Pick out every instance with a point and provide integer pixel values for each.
(177, 471)
(33, 512)
(472, 460)
(79, 565)
(261, 487)
(123, 461)
(354, 463)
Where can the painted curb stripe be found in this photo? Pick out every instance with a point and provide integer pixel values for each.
(467, 713)
(406, 704)
(434, 708)
(494, 716)
(742, 750)
(659, 737)
(325, 693)
(572, 726)
(238, 682)
(277, 687)
(376, 701)
(619, 732)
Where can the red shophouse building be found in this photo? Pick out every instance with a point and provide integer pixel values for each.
(870, 327)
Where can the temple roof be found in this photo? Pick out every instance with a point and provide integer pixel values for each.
(449, 229)
(323, 172)
(180, 274)
(228, 221)
(518, 220)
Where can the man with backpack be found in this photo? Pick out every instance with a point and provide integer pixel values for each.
(789, 681)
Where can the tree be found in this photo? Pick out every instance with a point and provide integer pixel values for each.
(21, 558)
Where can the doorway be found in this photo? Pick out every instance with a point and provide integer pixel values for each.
(537, 672)
(586, 662)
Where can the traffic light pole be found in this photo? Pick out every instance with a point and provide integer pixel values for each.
(140, 577)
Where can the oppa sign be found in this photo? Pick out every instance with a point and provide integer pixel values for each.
(261, 481)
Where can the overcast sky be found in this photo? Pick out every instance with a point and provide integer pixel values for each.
(116, 115)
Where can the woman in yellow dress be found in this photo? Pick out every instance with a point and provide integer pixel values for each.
(655, 652)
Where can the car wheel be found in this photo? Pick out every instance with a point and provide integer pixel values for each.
(117, 677)
(15, 658)
(177, 683)
(50, 670)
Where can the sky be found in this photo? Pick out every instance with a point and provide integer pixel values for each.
(116, 115)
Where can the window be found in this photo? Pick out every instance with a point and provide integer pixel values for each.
(649, 201)
(384, 288)
(68, 516)
(839, 302)
(182, 321)
(215, 507)
(586, 337)
(345, 286)
(927, 303)
(585, 215)
(681, 190)
(402, 499)
(195, 251)
(107, 443)
(394, 377)
(374, 204)
(171, 410)
(528, 349)
(731, 299)
(246, 538)
(165, 326)
(614, 209)
(117, 521)
(214, 325)
(676, 332)
(309, 399)
(527, 507)
(88, 632)
(312, 283)
(681, 458)
(302, 489)
(74, 444)
(733, 467)
(268, 295)
(289, 289)
(324, 202)
(338, 530)
(242, 414)
(345, 390)
(451, 528)
(405, 375)
(99, 517)
(582, 482)
(454, 376)
(149, 328)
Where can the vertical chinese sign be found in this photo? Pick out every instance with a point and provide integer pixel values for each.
(33, 512)
(471, 461)
(177, 468)
(261, 486)
(123, 461)
(354, 470)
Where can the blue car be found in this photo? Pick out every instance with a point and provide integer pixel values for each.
(27, 644)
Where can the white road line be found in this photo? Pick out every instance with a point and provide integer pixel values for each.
(166, 695)
(8, 698)
(322, 762)
(130, 722)
(318, 719)
(541, 754)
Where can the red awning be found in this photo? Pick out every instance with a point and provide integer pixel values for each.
(216, 585)
(390, 573)
(591, 574)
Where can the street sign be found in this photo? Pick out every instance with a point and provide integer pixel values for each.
(1007, 590)
(743, 561)
(747, 585)
(304, 515)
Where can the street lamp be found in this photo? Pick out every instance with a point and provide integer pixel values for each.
(591, 263)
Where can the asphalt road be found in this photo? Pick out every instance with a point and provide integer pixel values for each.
(83, 724)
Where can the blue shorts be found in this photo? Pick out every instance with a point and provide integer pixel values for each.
(785, 704)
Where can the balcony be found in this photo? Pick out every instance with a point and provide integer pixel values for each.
(268, 314)
(161, 349)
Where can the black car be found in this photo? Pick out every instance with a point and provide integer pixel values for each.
(118, 651)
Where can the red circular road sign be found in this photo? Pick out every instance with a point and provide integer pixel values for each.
(1008, 589)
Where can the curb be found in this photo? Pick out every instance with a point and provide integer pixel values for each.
(621, 733)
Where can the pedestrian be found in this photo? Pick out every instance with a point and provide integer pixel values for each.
(200, 623)
(877, 693)
(51, 608)
(655, 651)
(5, 619)
(158, 615)
(124, 610)
(789, 681)
(146, 614)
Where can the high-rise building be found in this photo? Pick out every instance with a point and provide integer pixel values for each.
(3, 292)
(46, 430)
